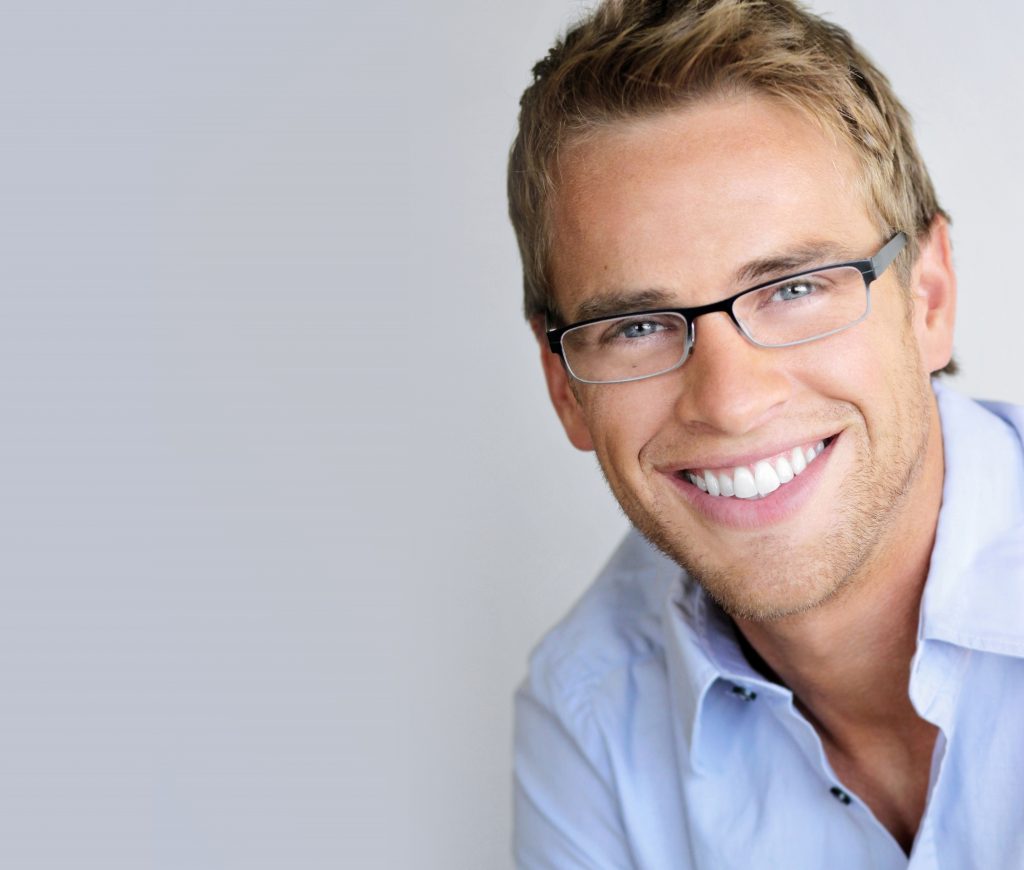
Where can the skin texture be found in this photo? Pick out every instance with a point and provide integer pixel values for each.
(827, 591)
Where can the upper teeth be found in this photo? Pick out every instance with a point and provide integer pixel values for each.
(760, 478)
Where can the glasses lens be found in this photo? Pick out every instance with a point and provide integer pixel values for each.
(626, 348)
(808, 306)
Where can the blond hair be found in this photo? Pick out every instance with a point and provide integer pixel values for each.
(631, 59)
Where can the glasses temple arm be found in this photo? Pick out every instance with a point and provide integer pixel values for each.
(880, 262)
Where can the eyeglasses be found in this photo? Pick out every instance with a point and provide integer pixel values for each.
(781, 313)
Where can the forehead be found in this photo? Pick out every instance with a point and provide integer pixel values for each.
(681, 201)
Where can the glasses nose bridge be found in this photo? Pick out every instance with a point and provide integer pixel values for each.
(723, 307)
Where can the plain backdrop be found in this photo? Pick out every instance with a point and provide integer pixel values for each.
(284, 506)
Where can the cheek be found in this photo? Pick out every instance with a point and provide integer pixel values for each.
(857, 364)
(844, 362)
(874, 367)
(624, 419)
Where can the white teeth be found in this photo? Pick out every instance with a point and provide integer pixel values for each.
(760, 480)
(765, 477)
(743, 481)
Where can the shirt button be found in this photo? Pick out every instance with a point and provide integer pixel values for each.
(745, 693)
(840, 795)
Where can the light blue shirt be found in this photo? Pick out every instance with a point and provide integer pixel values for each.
(644, 739)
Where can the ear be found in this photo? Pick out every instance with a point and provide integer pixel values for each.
(560, 389)
(933, 286)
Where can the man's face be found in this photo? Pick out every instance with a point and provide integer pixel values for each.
(682, 205)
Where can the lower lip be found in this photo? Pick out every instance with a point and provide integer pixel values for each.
(744, 513)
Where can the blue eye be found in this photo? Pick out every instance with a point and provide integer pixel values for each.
(796, 290)
(640, 328)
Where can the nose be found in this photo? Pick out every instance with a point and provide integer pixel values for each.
(729, 384)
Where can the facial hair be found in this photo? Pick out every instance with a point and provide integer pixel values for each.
(783, 581)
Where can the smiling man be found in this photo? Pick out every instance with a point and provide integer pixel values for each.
(811, 651)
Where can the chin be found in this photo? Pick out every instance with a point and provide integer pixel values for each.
(776, 576)
(776, 595)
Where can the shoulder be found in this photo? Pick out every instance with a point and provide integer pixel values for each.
(588, 679)
(978, 418)
(616, 625)
(1012, 415)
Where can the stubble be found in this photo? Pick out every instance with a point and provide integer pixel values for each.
(773, 580)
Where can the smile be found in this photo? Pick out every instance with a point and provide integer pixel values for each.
(759, 478)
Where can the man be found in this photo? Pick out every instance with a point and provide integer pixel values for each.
(811, 654)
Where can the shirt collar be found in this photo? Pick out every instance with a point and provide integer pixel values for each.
(975, 590)
(701, 650)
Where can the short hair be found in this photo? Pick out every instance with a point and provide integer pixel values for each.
(633, 59)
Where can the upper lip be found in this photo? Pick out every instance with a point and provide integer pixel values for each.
(734, 460)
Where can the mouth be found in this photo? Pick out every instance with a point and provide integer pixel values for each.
(759, 478)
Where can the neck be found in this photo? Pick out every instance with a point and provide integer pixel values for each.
(848, 662)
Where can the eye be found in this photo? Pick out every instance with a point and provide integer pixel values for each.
(637, 329)
(794, 290)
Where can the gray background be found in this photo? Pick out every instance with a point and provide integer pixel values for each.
(284, 506)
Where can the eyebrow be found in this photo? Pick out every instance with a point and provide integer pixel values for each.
(622, 302)
(809, 256)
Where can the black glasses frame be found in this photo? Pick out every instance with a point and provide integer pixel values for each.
(869, 269)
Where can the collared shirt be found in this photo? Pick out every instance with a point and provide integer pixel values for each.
(644, 739)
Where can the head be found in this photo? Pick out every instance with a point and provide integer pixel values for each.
(671, 146)
(635, 59)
